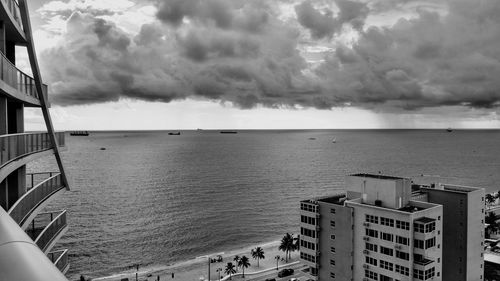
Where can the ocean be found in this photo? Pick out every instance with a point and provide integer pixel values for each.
(156, 199)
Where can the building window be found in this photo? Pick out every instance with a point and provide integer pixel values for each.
(387, 236)
(308, 232)
(429, 243)
(370, 274)
(332, 211)
(371, 233)
(372, 219)
(402, 255)
(370, 260)
(418, 274)
(307, 257)
(386, 265)
(429, 273)
(332, 223)
(402, 270)
(387, 221)
(332, 262)
(332, 236)
(402, 240)
(332, 249)
(371, 247)
(402, 225)
(386, 251)
(308, 220)
(332, 275)
(418, 243)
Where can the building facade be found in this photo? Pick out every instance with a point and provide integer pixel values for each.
(28, 233)
(386, 228)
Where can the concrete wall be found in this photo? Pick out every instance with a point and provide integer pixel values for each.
(343, 242)
(394, 193)
(462, 233)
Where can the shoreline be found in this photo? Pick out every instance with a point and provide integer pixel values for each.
(197, 268)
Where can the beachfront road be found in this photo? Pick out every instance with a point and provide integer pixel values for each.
(298, 273)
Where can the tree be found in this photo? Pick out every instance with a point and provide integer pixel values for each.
(286, 245)
(258, 254)
(229, 270)
(236, 260)
(277, 258)
(244, 263)
(489, 199)
(491, 220)
(296, 244)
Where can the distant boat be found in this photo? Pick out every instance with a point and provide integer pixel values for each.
(79, 133)
(228, 132)
(449, 130)
(312, 138)
(174, 134)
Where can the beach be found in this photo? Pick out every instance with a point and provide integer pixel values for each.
(197, 269)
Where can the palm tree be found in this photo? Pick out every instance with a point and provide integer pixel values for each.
(244, 263)
(489, 199)
(229, 270)
(296, 244)
(236, 260)
(277, 258)
(257, 254)
(286, 245)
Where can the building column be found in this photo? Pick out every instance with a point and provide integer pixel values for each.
(4, 128)
(16, 186)
(3, 194)
(2, 37)
(10, 51)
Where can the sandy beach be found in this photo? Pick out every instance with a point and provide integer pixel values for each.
(196, 269)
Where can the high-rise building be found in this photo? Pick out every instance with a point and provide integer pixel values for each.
(386, 228)
(28, 233)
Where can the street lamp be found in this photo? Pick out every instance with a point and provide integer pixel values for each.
(219, 270)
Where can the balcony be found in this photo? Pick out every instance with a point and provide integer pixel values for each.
(18, 83)
(47, 228)
(13, 7)
(25, 208)
(60, 260)
(16, 146)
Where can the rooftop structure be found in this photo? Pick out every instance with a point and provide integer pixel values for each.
(27, 234)
(385, 228)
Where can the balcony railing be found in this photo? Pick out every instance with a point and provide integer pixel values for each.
(19, 145)
(17, 79)
(13, 7)
(60, 259)
(53, 229)
(38, 194)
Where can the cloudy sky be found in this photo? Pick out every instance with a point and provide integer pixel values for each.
(166, 64)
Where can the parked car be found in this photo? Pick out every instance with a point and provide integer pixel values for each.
(271, 279)
(293, 279)
(285, 272)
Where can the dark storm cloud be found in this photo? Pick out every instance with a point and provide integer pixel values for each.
(324, 23)
(243, 52)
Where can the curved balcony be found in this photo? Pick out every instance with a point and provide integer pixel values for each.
(25, 209)
(60, 260)
(11, 15)
(19, 149)
(46, 238)
(18, 84)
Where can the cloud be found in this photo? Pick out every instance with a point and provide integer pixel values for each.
(325, 24)
(246, 53)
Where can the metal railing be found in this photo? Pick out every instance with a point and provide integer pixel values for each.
(33, 179)
(51, 231)
(59, 259)
(13, 8)
(19, 145)
(17, 79)
(25, 206)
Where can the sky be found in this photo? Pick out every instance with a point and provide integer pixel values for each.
(267, 64)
